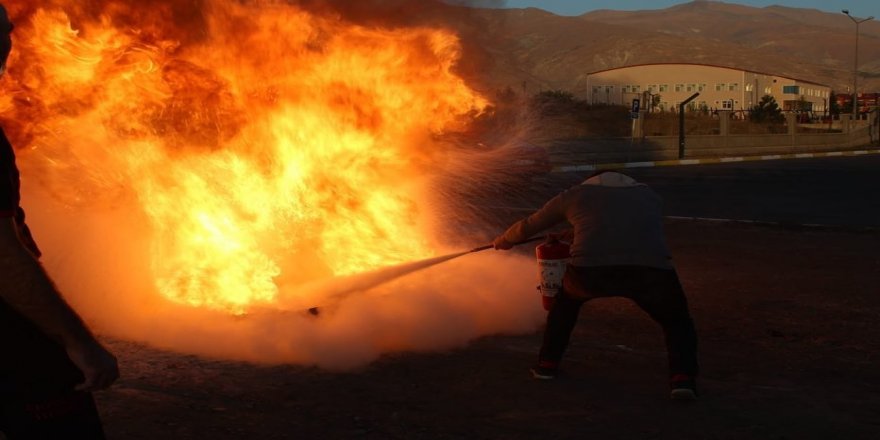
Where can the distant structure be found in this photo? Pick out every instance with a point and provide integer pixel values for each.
(867, 102)
(721, 88)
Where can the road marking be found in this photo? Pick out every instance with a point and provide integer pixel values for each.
(716, 220)
(774, 223)
(659, 163)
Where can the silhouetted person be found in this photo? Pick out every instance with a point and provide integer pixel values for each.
(618, 248)
(49, 361)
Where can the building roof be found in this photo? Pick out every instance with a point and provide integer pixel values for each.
(709, 65)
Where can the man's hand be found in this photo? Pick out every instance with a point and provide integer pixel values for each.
(567, 236)
(96, 363)
(501, 244)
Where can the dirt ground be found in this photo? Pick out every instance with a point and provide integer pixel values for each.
(789, 322)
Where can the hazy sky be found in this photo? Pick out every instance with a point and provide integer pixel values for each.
(858, 8)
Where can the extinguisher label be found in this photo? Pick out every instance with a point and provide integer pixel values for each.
(551, 272)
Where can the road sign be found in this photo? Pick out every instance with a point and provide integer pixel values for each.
(636, 105)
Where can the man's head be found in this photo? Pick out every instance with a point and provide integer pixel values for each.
(610, 178)
(5, 38)
(601, 172)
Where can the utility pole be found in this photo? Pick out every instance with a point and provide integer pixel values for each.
(855, 110)
(681, 124)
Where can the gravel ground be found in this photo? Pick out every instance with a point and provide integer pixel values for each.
(789, 339)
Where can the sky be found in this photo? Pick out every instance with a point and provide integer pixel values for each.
(858, 8)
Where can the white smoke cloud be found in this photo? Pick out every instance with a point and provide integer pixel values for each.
(98, 256)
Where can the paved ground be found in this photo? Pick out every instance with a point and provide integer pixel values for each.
(789, 346)
(842, 191)
(788, 320)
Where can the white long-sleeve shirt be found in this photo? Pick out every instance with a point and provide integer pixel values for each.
(616, 222)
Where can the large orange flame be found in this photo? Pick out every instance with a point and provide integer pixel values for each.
(274, 147)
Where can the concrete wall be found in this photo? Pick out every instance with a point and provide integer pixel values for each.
(652, 148)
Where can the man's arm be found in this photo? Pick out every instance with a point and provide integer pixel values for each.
(29, 291)
(552, 213)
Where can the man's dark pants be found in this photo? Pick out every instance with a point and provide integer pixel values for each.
(657, 291)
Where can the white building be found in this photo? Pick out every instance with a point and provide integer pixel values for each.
(719, 88)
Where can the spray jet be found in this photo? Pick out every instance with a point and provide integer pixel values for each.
(337, 289)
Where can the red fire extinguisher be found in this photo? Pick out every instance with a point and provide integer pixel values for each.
(553, 257)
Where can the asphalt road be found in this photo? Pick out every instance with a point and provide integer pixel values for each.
(837, 191)
(787, 320)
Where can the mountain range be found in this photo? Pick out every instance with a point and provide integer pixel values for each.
(536, 50)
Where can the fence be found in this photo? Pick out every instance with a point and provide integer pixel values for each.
(855, 135)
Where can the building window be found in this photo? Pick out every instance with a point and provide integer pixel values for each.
(636, 89)
(720, 87)
(652, 88)
(625, 88)
(664, 87)
(768, 90)
(691, 87)
(679, 87)
(749, 87)
(701, 87)
(727, 104)
(597, 89)
(791, 90)
(732, 87)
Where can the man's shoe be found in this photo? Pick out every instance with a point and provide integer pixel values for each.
(545, 370)
(684, 387)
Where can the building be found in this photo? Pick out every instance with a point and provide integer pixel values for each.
(720, 88)
(867, 102)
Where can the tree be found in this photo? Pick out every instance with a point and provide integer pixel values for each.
(553, 102)
(655, 102)
(555, 96)
(767, 110)
(833, 106)
(803, 105)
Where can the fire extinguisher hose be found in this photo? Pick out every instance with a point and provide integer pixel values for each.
(491, 246)
(368, 280)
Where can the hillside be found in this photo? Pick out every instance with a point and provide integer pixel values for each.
(536, 50)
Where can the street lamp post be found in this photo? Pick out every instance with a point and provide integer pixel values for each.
(856, 64)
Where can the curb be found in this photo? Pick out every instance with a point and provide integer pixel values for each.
(661, 163)
(776, 224)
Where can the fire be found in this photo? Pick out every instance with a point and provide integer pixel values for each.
(267, 146)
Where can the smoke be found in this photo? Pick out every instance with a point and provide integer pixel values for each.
(99, 244)
(99, 258)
